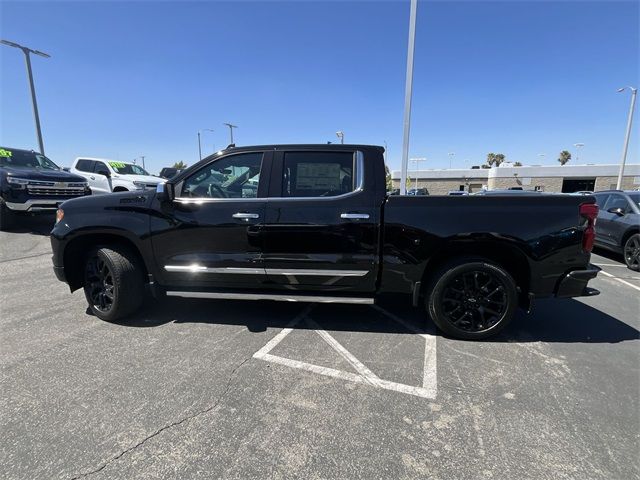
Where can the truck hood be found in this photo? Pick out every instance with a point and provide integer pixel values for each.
(42, 175)
(139, 178)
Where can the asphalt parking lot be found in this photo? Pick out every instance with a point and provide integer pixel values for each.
(221, 389)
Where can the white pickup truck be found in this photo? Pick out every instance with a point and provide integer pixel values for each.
(106, 176)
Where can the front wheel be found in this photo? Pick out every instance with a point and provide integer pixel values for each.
(632, 252)
(113, 285)
(472, 299)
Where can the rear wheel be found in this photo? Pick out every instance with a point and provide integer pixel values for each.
(631, 252)
(472, 298)
(113, 285)
(6, 217)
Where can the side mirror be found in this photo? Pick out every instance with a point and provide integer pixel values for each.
(617, 210)
(165, 192)
(106, 173)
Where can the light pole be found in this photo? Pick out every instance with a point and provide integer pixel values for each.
(340, 135)
(451, 155)
(385, 153)
(27, 59)
(634, 92)
(578, 147)
(199, 143)
(142, 157)
(417, 162)
(408, 91)
(231, 127)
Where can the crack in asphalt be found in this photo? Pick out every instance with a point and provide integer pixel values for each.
(26, 256)
(170, 425)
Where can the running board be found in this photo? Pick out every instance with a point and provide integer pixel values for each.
(276, 297)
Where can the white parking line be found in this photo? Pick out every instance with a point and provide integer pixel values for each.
(606, 274)
(609, 265)
(429, 378)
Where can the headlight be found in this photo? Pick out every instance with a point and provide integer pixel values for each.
(140, 185)
(59, 215)
(17, 182)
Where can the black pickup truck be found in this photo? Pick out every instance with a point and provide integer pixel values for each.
(313, 223)
(30, 183)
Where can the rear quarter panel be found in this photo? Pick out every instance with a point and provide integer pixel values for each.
(544, 231)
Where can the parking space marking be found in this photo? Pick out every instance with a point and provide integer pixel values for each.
(609, 265)
(363, 375)
(606, 274)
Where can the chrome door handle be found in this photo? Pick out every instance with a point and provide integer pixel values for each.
(355, 216)
(93, 178)
(245, 216)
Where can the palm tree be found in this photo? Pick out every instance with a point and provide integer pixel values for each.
(180, 165)
(564, 157)
(495, 159)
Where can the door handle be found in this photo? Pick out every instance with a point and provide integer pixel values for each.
(245, 216)
(93, 178)
(355, 216)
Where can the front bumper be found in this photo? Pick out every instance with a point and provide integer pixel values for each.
(574, 284)
(35, 205)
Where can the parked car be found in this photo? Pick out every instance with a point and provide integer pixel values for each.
(619, 224)
(321, 228)
(169, 172)
(106, 176)
(509, 192)
(417, 191)
(457, 192)
(31, 183)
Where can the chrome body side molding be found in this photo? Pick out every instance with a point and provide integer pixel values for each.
(273, 296)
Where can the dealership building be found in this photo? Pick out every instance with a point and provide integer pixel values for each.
(544, 178)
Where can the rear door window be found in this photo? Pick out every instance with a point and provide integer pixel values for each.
(318, 174)
(85, 165)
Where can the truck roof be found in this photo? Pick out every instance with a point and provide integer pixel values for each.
(306, 146)
(101, 160)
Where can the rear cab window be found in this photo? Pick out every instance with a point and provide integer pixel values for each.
(318, 174)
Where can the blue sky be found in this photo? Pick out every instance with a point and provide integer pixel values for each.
(141, 78)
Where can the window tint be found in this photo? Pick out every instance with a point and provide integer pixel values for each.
(601, 199)
(100, 166)
(85, 165)
(317, 174)
(617, 201)
(236, 176)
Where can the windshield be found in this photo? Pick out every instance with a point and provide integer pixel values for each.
(128, 168)
(22, 159)
(635, 198)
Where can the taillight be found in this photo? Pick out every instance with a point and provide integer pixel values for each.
(590, 212)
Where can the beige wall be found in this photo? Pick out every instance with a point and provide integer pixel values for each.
(549, 184)
(436, 186)
(606, 183)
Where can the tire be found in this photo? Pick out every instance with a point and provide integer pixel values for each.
(472, 298)
(7, 217)
(113, 283)
(631, 252)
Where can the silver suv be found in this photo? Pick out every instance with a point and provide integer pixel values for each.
(618, 225)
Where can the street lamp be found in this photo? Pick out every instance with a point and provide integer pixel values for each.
(27, 60)
(417, 161)
(408, 91)
(200, 144)
(578, 147)
(142, 157)
(340, 135)
(634, 92)
(451, 155)
(231, 127)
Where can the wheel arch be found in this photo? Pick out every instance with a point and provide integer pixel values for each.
(503, 253)
(630, 231)
(76, 250)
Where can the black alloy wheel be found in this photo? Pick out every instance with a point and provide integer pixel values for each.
(113, 282)
(99, 284)
(632, 252)
(472, 298)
